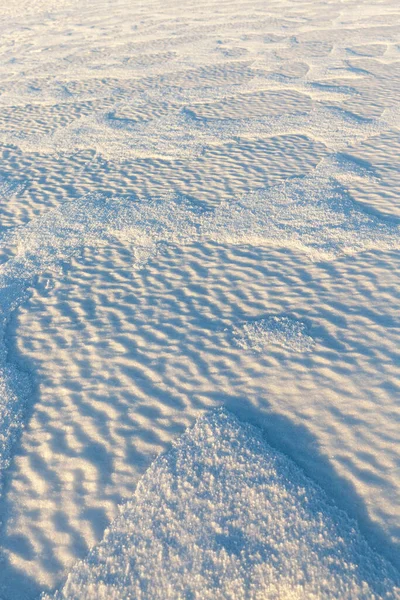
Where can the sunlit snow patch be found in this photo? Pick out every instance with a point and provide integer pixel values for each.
(92, 220)
(282, 331)
(317, 91)
(334, 127)
(42, 93)
(178, 135)
(14, 390)
(9, 187)
(223, 515)
(314, 213)
(14, 384)
(391, 116)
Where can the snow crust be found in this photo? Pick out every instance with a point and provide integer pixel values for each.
(223, 515)
(284, 331)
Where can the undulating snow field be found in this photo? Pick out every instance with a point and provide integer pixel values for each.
(199, 259)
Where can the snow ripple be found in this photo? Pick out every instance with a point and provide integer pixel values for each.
(56, 237)
(314, 213)
(179, 135)
(223, 515)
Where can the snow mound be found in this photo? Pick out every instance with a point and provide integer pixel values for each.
(223, 515)
(283, 331)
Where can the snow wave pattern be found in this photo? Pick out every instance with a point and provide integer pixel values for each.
(56, 237)
(178, 135)
(223, 515)
(314, 213)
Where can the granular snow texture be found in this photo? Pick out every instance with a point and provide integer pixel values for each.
(223, 515)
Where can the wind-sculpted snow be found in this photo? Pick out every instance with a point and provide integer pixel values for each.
(40, 93)
(8, 187)
(105, 107)
(55, 238)
(334, 127)
(179, 135)
(287, 332)
(63, 232)
(223, 515)
(314, 213)
(315, 90)
(14, 385)
(172, 136)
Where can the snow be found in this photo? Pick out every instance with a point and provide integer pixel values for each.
(223, 515)
(284, 331)
(312, 212)
(199, 208)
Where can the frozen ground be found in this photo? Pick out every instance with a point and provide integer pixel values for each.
(199, 208)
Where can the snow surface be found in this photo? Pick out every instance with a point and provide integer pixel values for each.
(223, 515)
(172, 172)
(284, 331)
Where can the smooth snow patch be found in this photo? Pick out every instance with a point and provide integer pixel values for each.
(223, 515)
(283, 331)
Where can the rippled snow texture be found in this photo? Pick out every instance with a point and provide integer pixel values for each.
(223, 515)
(314, 213)
(275, 125)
